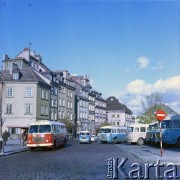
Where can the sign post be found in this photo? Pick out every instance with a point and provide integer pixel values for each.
(160, 115)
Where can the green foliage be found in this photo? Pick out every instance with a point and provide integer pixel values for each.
(69, 124)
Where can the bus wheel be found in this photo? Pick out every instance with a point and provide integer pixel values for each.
(140, 141)
(178, 142)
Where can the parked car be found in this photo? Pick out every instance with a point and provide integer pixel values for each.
(94, 138)
(84, 137)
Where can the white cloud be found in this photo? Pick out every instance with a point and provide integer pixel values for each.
(136, 91)
(143, 62)
(139, 87)
(172, 84)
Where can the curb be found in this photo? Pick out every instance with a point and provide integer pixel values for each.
(13, 152)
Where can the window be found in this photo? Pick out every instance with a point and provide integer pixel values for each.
(42, 93)
(9, 92)
(15, 76)
(55, 116)
(28, 92)
(176, 124)
(46, 110)
(47, 95)
(71, 106)
(52, 115)
(28, 109)
(63, 103)
(136, 129)
(9, 109)
(42, 110)
(142, 129)
(55, 103)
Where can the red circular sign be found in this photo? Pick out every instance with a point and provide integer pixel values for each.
(160, 114)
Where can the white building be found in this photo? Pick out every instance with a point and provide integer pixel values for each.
(118, 114)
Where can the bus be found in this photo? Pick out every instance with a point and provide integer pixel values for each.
(46, 133)
(112, 134)
(170, 129)
(137, 133)
(150, 134)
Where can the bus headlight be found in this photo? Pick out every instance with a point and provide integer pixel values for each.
(46, 140)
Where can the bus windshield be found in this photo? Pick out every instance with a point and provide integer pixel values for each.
(166, 124)
(40, 129)
(130, 129)
(84, 133)
(105, 130)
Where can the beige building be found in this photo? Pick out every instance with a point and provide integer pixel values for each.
(25, 98)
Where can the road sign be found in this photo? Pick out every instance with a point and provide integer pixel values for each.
(160, 114)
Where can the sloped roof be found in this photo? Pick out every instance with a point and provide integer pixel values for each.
(27, 74)
(165, 107)
(114, 104)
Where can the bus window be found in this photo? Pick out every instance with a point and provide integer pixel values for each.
(105, 131)
(130, 129)
(33, 129)
(113, 131)
(142, 129)
(44, 128)
(176, 124)
(136, 129)
(166, 124)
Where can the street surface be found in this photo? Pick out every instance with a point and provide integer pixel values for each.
(74, 162)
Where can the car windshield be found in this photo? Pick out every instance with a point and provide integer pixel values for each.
(40, 129)
(103, 130)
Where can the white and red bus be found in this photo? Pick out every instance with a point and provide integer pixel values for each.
(47, 134)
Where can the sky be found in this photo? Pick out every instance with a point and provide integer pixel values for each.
(129, 49)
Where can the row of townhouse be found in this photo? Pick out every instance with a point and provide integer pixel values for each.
(30, 91)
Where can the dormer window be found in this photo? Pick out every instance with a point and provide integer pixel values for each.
(15, 75)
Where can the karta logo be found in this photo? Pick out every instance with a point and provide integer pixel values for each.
(139, 171)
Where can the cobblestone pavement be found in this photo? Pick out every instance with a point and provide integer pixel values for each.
(74, 162)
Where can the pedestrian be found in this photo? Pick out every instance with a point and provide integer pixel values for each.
(24, 136)
(5, 136)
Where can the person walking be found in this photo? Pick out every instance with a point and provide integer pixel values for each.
(5, 136)
(24, 137)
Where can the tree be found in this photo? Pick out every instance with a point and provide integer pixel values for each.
(150, 105)
(69, 124)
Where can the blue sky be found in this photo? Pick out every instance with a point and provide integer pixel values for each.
(128, 48)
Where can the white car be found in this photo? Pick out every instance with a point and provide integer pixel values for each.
(94, 138)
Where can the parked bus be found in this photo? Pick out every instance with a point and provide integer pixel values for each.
(112, 134)
(150, 134)
(137, 133)
(47, 134)
(170, 131)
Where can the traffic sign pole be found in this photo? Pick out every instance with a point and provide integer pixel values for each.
(160, 115)
(161, 149)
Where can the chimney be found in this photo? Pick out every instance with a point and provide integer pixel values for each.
(5, 57)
